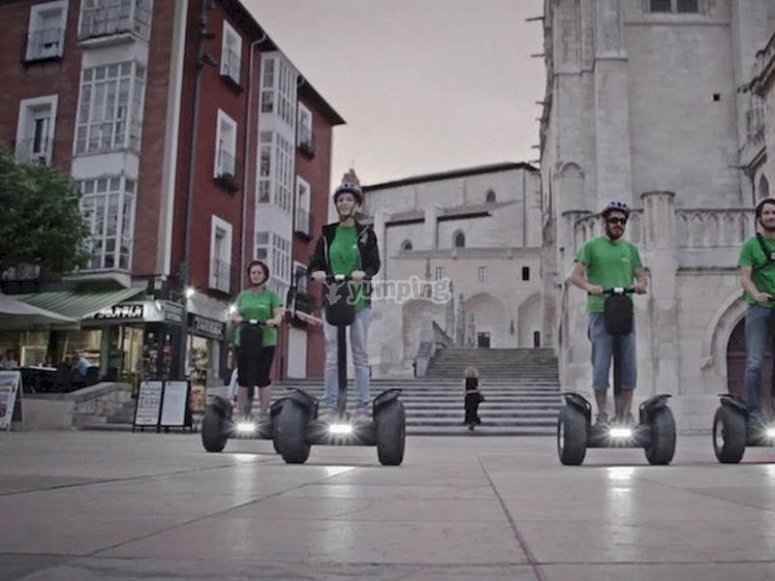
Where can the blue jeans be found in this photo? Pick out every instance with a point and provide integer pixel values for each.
(602, 355)
(758, 321)
(359, 330)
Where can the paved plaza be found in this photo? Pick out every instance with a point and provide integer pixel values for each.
(115, 505)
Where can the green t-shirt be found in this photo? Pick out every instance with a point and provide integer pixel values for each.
(260, 306)
(763, 275)
(345, 257)
(609, 264)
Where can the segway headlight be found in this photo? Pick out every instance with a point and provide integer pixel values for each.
(770, 433)
(620, 433)
(245, 428)
(340, 429)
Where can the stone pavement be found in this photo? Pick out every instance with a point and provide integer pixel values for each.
(107, 506)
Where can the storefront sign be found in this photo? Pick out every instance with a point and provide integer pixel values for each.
(171, 312)
(122, 312)
(212, 328)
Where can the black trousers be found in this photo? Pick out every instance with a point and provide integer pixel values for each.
(472, 407)
(254, 362)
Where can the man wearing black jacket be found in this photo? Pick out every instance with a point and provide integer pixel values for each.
(349, 248)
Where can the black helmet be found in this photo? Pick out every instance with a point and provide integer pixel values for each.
(761, 204)
(349, 187)
(615, 206)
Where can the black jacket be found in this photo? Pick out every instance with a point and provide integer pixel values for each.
(367, 246)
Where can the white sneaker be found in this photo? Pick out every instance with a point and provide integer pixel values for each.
(327, 415)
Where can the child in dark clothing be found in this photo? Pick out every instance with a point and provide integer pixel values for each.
(473, 396)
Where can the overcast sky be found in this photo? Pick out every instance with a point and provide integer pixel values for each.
(424, 85)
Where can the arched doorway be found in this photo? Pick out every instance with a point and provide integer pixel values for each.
(736, 366)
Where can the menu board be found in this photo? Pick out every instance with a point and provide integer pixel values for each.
(148, 403)
(174, 403)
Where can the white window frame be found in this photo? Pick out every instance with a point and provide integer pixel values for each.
(108, 227)
(303, 218)
(129, 17)
(674, 8)
(231, 54)
(482, 274)
(304, 134)
(225, 163)
(31, 110)
(302, 282)
(439, 272)
(44, 42)
(124, 122)
(220, 271)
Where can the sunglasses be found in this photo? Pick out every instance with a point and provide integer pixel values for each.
(621, 221)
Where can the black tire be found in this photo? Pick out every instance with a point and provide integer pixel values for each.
(729, 435)
(662, 447)
(571, 436)
(291, 437)
(390, 423)
(214, 430)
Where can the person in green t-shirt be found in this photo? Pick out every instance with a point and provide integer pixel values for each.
(757, 277)
(256, 304)
(350, 248)
(605, 262)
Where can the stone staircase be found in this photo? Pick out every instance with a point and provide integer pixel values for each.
(521, 387)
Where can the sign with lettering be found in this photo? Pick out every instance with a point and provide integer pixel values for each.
(10, 385)
(174, 404)
(148, 403)
(171, 312)
(122, 312)
(212, 328)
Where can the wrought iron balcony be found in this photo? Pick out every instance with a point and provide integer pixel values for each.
(304, 222)
(226, 171)
(33, 151)
(231, 68)
(307, 143)
(222, 276)
(44, 44)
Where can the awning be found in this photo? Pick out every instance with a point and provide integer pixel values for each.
(17, 315)
(78, 305)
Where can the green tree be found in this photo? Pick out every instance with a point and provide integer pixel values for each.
(40, 222)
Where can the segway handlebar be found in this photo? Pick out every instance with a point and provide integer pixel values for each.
(619, 290)
(343, 278)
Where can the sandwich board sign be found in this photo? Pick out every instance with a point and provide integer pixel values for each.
(10, 385)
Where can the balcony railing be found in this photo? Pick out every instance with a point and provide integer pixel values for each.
(231, 68)
(307, 143)
(222, 276)
(226, 171)
(44, 44)
(122, 18)
(33, 151)
(304, 223)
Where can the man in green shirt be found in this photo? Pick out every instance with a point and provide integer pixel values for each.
(757, 277)
(350, 248)
(605, 262)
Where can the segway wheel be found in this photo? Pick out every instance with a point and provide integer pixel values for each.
(571, 436)
(214, 434)
(391, 433)
(729, 435)
(661, 449)
(291, 436)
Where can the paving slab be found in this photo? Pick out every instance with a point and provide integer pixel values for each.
(119, 506)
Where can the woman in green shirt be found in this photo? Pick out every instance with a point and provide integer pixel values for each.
(256, 304)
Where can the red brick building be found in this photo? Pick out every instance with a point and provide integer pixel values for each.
(198, 146)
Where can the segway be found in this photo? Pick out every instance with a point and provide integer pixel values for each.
(655, 430)
(297, 424)
(734, 428)
(220, 421)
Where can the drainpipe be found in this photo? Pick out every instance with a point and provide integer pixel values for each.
(202, 59)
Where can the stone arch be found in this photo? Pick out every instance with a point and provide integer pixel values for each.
(490, 196)
(406, 244)
(764, 188)
(570, 186)
(487, 311)
(529, 320)
(459, 239)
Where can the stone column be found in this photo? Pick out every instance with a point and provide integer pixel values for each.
(657, 324)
